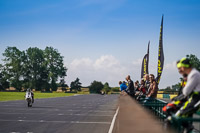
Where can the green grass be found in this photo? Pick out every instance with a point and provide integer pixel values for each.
(10, 96)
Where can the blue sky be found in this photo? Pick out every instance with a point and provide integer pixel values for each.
(104, 39)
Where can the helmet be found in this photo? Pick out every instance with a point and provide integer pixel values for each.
(184, 62)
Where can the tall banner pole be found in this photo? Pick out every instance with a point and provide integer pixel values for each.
(145, 63)
(160, 54)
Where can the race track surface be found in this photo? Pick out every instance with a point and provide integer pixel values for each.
(74, 114)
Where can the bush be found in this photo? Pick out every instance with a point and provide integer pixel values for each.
(115, 89)
(96, 87)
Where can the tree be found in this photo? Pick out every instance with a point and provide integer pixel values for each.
(3, 80)
(176, 87)
(194, 61)
(63, 84)
(55, 66)
(13, 66)
(75, 85)
(106, 88)
(116, 89)
(96, 87)
(34, 69)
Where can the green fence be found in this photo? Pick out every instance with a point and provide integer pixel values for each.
(156, 105)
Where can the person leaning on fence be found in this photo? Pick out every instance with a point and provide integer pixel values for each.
(191, 90)
(153, 88)
(142, 90)
(137, 85)
(147, 82)
(123, 87)
(130, 88)
(176, 102)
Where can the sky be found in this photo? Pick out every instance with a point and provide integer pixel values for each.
(104, 40)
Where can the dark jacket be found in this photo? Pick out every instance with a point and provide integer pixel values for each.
(130, 88)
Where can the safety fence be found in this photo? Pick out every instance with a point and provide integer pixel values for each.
(156, 105)
(166, 96)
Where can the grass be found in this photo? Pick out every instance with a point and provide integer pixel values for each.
(11, 96)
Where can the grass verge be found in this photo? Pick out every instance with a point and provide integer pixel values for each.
(11, 96)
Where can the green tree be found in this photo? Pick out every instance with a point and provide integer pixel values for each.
(13, 66)
(75, 85)
(116, 89)
(176, 87)
(55, 66)
(63, 84)
(106, 88)
(34, 69)
(96, 87)
(3, 80)
(194, 61)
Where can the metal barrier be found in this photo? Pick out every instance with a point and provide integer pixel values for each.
(156, 105)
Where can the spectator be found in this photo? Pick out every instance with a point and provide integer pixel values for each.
(142, 87)
(153, 88)
(147, 83)
(137, 85)
(130, 89)
(191, 90)
(123, 87)
(142, 90)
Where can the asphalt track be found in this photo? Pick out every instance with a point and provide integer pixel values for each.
(73, 114)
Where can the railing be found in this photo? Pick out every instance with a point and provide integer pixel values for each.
(156, 105)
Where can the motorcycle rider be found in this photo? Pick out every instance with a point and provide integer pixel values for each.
(32, 94)
(191, 91)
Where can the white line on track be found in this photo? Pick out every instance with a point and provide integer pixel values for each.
(113, 121)
(56, 114)
(43, 121)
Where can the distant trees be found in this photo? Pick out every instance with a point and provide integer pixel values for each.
(3, 80)
(115, 89)
(63, 85)
(96, 87)
(54, 65)
(33, 68)
(194, 61)
(13, 66)
(106, 88)
(75, 85)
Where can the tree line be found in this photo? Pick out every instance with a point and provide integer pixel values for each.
(42, 70)
(32, 68)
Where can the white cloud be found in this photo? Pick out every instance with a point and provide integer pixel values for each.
(170, 75)
(106, 69)
(109, 69)
(171, 66)
(137, 62)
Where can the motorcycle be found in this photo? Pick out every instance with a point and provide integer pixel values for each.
(29, 99)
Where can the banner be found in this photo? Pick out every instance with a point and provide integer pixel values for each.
(160, 54)
(145, 63)
(144, 66)
(147, 70)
